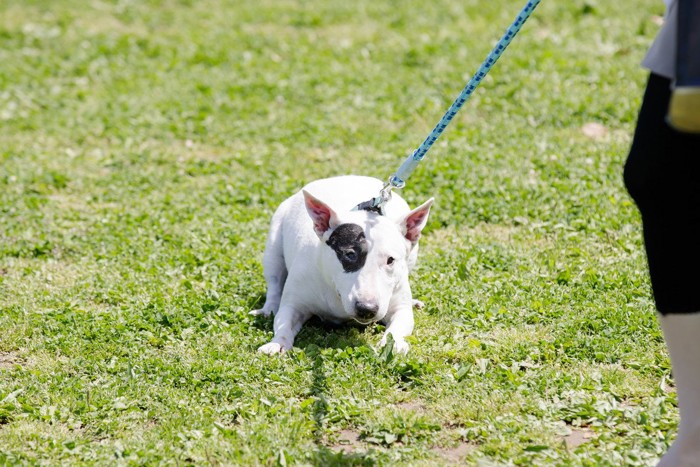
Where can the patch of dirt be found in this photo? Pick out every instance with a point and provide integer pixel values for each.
(348, 442)
(412, 406)
(456, 454)
(577, 437)
(8, 360)
(594, 130)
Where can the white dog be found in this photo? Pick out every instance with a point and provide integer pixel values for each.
(324, 259)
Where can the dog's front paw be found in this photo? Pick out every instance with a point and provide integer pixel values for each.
(400, 344)
(271, 348)
(262, 312)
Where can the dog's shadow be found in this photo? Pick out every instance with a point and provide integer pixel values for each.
(317, 333)
(315, 336)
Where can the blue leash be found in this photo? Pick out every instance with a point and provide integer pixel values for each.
(398, 180)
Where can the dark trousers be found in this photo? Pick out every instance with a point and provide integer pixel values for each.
(662, 174)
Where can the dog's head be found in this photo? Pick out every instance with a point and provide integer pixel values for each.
(366, 256)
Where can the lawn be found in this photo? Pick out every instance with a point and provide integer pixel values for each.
(145, 145)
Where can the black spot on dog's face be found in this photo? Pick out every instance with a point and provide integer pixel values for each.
(350, 246)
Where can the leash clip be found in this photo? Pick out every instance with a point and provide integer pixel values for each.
(377, 204)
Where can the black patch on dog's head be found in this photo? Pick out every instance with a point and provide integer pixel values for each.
(350, 246)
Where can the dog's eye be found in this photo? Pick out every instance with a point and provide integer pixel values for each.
(350, 255)
(390, 260)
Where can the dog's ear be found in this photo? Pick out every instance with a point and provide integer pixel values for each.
(413, 223)
(321, 214)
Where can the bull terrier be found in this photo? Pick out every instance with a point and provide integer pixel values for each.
(322, 258)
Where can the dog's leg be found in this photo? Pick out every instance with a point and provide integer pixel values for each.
(287, 323)
(274, 270)
(400, 325)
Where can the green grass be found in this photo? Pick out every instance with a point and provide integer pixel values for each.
(145, 145)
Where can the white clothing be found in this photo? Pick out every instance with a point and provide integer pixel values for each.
(661, 56)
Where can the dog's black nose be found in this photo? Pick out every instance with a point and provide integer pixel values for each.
(366, 310)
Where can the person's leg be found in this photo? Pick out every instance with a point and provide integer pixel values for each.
(682, 334)
(662, 174)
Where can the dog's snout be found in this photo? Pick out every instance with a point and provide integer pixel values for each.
(366, 310)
